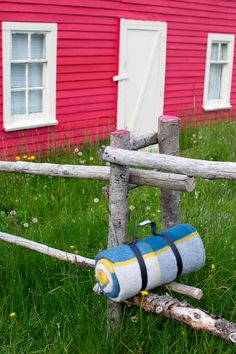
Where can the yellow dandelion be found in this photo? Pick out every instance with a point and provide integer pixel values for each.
(213, 267)
(12, 314)
(17, 158)
(32, 157)
(144, 292)
(72, 247)
(76, 252)
(25, 156)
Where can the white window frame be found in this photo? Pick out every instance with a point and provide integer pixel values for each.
(33, 120)
(224, 101)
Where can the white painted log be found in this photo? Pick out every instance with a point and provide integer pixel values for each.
(139, 177)
(184, 313)
(48, 251)
(187, 290)
(174, 164)
(143, 141)
(168, 130)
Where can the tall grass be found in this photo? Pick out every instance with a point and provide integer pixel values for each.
(53, 308)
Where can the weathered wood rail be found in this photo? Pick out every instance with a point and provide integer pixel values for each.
(173, 164)
(139, 177)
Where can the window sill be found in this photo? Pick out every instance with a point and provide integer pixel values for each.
(29, 125)
(216, 107)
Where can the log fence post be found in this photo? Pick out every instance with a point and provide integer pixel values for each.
(118, 210)
(168, 138)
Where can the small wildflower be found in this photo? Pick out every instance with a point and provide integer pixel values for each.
(132, 207)
(82, 162)
(76, 252)
(76, 150)
(25, 156)
(12, 314)
(107, 163)
(12, 213)
(91, 158)
(34, 220)
(72, 247)
(96, 200)
(103, 146)
(213, 267)
(26, 225)
(29, 158)
(158, 210)
(134, 319)
(32, 157)
(144, 292)
(194, 135)
(80, 153)
(17, 158)
(148, 208)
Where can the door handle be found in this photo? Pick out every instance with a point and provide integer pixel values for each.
(120, 77)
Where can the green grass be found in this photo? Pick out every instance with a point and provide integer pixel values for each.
(56, 309)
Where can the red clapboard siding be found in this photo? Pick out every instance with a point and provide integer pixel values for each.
(87, 60)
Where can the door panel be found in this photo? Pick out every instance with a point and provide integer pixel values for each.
(141, 72)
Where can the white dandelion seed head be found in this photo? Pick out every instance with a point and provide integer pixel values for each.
(96, 200)
(76, 150)
(34, 220)
(132, 207)
(103, 146)
(148, 207)
(82, 162)
(3, 213)
(107, 163)
(26, 225)
(12, 213)
(80, 153)
(91, 158)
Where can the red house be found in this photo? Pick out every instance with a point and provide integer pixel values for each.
(74, 70)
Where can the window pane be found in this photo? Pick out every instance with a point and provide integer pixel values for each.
(35, 75)
(18, 75)
(38, 46)
(223, 52)
(19, 46)
(18, 102)
(35, 101)
(214, 51)
(214, 89)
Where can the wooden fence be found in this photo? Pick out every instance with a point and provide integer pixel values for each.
(173, 175)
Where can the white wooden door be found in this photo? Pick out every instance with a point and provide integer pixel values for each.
(141, 75)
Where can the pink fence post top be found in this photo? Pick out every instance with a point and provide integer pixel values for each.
(166, 118)
(120, 132)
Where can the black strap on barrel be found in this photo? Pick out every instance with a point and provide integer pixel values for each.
(139, 256)
(172, 246)
(142, 265)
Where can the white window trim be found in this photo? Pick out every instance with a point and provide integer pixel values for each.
(11, 123)
(224, 103)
